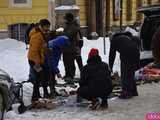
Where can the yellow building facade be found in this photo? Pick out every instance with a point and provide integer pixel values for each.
(11, 12)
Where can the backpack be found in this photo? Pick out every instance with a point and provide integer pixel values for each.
(28, 30)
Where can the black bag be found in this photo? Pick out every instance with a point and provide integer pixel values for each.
(30, 27)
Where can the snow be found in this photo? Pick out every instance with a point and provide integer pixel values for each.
(67, 7)
(13, 59)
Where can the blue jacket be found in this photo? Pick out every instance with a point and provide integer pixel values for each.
(56, 45)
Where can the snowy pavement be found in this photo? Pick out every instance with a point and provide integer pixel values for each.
(14, 61)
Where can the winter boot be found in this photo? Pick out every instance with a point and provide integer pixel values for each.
(125, 95)
(104, 104)
(96, 102)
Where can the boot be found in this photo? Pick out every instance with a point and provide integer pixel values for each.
(96, 102)
(104, 104)
(46, 94)
(125, 95)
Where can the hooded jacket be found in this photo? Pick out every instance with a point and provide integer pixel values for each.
(56, 45)
(96, 75)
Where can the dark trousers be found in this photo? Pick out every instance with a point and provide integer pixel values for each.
(40, 80)
(127, 78)
(52, 83)
(68, 60)
(86, 93)
(79, 62)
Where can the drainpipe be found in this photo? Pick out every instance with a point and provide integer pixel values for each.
(121, 14)
(92, 19)
(51, 13)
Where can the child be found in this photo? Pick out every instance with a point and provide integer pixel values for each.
(95, 82)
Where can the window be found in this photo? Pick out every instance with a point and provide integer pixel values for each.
(116, 10)
(20, 3)
(65, 2)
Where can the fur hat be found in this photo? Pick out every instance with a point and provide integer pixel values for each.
(93, 52)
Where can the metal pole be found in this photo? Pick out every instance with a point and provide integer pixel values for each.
(104, 24)
(19, 31)
(121, 14)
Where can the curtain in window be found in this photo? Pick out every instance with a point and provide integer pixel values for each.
(20, 1)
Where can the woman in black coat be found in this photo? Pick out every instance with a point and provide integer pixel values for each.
(95, 80)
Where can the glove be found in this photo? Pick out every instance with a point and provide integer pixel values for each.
(59, 75)
(37, 67)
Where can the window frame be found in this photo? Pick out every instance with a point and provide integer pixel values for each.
(28, 4)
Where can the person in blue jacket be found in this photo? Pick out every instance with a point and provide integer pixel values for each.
(52, 60)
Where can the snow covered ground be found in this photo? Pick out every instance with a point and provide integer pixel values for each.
(14, 61)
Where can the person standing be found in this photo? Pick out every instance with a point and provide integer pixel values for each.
(71, 30)
(36, 53)
(95, 81)
(127, 46)
(52, 61)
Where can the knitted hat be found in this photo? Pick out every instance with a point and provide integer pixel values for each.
(93, 52)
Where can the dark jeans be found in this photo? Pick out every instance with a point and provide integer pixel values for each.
(68, 60)
(127, 78)
(52, 82)
(40, 80)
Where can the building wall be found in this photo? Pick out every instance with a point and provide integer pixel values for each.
(10, 15)
(83, 13)
(124, 14)
(134, 12)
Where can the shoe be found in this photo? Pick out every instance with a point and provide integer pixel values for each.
(125, 95)
(104, 105)
(95, 104)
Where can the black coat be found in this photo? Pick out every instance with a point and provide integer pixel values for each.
(128, 48)
(156, 45)
(71, 30)
(96, 76)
